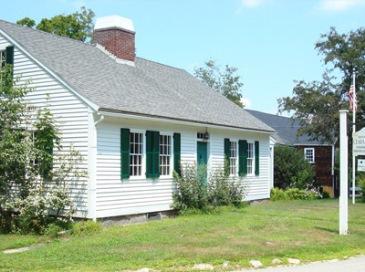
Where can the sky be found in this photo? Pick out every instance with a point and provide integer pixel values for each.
(271, 42)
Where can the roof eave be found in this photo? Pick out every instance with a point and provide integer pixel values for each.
(141, 116)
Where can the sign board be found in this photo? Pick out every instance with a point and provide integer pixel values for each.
(359, 142)
(361, 165)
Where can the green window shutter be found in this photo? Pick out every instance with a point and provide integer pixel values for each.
(9, 55)
(257, 158)
(177, 153)
(124, 153)
(227, 154)
(242, 158)
(152, 154)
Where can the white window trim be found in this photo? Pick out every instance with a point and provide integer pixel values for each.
(171, 154)
(143, 169)
(253, 159)
(166, 133)
(237, 157)
(313, 152)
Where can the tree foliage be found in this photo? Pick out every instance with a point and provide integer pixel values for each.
(226, 82)
(291, 170)
(33, 193)
(77, 25)
(316, 104)
(26, 21)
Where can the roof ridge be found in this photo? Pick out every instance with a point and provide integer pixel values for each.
(272, 114)
(47, 33)
(162, 64)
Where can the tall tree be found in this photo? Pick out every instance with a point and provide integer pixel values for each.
(226, 82)
(316, 104)
(78, 25)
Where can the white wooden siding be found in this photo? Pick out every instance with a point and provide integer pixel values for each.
(256, 187)
(115, 197)
(70, 115)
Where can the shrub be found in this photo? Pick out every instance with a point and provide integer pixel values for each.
(195, 192)
(293, 194)
(86, 227)
(191, 190)
(291, 170)
(41, 208)
(224, 191)
(53, 230)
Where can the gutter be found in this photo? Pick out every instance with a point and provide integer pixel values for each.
(99, 120)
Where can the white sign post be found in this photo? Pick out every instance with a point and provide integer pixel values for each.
(343, 174)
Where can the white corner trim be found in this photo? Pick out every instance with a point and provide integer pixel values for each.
(92, 163)
(58, 78)
(117, 60)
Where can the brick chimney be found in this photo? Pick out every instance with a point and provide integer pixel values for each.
(116, 34)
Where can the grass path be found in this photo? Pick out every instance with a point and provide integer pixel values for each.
(301, 229)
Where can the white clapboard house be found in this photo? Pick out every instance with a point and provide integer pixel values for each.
(133, 120)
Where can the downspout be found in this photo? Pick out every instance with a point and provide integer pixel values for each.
(99, 120)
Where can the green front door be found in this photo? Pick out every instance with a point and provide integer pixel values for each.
(202, 156)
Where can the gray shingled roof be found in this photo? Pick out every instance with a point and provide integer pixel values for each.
(149, 88)
(286, 129)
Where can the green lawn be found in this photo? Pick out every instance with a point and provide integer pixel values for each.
(300, 229)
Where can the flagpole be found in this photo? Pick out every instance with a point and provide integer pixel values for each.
(353, 133)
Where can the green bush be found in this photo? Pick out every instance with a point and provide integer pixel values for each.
(293, 194)
(191, 190)
(223, 191)
(53, 230)
(86, 227)
(195, 192)
(291, 170)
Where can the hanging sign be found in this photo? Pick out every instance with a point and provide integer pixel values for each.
(359, 142)
(361, 165)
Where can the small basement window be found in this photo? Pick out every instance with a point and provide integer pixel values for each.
(309, 154)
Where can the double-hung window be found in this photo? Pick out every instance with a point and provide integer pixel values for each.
(250, 158)
(233, 159)
(165, 155)
(136, 153)
(309, 154)
(2, 64)
(2, 59)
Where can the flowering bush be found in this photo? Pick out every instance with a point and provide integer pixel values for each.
(41, 208)
(33, 193)
(194, 191)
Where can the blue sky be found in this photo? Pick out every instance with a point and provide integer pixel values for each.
(270, 41)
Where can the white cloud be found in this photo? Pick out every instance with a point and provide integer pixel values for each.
(252, 3)
(339, 5)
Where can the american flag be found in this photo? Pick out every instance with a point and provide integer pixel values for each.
(352, 98)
